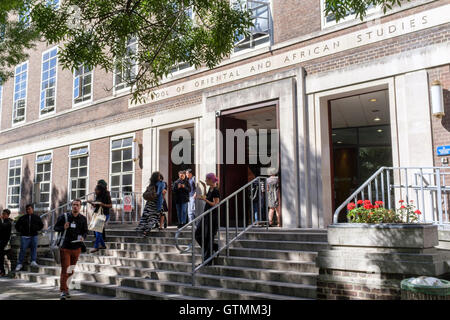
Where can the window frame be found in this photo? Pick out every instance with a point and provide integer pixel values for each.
(20, 182)
(14, 124)
(86, 102)
(325, 25)
(123, 136)
(36, 201)
(262, 45)
(56, 82)
(126, 88)
(69, 183)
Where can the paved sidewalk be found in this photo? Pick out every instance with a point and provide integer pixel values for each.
(14, 289)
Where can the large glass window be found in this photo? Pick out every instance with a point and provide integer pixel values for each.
(330, 19)
(262, 20)
(20, 92)
(126, 71)
(25, 16)
(78, 172)
(121, 166)
(48, 84)
(82, 85)
(43, 179)
(14, 180)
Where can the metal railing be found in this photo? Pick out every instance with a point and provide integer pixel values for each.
(427, 187)
(246, 216)
(119, 213)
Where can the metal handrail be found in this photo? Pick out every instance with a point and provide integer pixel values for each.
(438, 202)
(228, 241)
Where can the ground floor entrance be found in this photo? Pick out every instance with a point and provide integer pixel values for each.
(361, 141)
(248, 148)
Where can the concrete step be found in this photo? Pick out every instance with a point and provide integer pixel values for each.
(280, 245)
(146, 240)
(286, 236)
(220, 281)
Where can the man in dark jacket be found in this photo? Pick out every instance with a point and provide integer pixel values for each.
(5, 235)
(76, 230)
(28, 226)
(181, 190)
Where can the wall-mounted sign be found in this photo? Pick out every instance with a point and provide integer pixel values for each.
(127, 203)
(373, 33)
(443, 150)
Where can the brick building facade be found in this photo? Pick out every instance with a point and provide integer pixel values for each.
(308, 63)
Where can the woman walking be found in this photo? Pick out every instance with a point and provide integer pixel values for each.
(102, 200)
(165, 208)
(154, 197)
(211, 199)
(273, 190)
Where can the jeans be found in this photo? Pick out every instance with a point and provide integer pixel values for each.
(182, 212)
(25, 243)
(99, 236)
(68, 258)
(191, 209)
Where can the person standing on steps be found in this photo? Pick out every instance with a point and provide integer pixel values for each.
(163, 215)
(102, 200)
(211, 199)
(273, 196)
(76, 230)
(5, 236)
(154, 197)
(181, 190)
(28, 226)
(192, 194)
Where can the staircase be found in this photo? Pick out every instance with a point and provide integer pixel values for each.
(263, 264)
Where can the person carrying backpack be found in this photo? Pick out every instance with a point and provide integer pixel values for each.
(154, 197)
(73, 226)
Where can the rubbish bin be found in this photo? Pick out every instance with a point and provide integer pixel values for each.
(425, 288)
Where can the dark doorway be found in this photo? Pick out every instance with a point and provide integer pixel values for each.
(174, 168)
(361, 142)
(263, 119)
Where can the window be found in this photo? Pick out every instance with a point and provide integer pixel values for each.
(330, 20)
(43, 180)
(121, 166)
(24, 15)
(82, 85)
(53, 3)
(14, 180)
(48, 81)
(126, 71)
(20, 93)
(78, 172)
(262, 20)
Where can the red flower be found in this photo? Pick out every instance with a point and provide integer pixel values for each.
(351, 206)
(371, 212)
(367, 201)
(402, 207)
(368, 206)
(360, 202)
(376, 206)
(411, 200)
(380, 203)
(401, 201)
(417, 212)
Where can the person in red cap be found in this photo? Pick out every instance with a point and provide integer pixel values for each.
(211, 199)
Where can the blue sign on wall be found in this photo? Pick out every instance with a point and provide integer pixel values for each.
(443, 150)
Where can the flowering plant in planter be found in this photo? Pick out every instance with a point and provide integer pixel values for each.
(363, 211)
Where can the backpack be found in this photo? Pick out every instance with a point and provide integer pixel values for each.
(58, 242)
(150, 193)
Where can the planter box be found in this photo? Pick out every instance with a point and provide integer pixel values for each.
(368, 261)
(420, 236)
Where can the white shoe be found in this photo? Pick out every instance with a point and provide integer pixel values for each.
(34, 264)
(19, 267)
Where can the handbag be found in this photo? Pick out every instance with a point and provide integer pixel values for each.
(57, 243)
(150, 193)
(98, 221)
